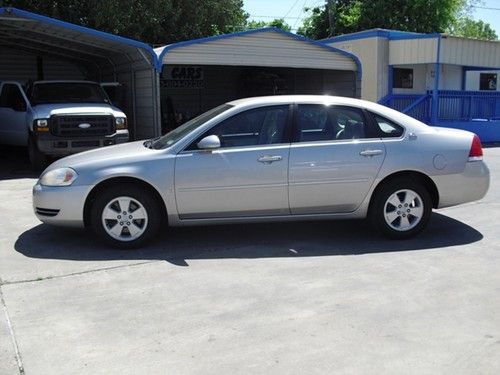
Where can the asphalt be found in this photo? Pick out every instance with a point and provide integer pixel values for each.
(295, 298)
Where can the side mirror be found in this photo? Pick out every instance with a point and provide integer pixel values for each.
(210, 142)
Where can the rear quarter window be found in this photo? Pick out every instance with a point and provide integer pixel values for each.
(387, 128)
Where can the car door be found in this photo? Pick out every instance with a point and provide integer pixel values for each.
(13, 106)
(333, 160)
(246, 176)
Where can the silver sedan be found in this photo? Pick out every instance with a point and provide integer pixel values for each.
(268, 159)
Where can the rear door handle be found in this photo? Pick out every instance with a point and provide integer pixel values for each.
(371, 152)
(268, 159)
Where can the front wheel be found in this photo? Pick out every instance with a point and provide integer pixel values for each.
(401, 209)
(125, 216)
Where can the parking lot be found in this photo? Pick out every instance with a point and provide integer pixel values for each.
(293, 298)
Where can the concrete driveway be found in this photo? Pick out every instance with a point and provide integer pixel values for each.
(299, 298)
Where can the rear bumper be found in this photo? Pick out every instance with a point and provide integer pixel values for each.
(469, 186)
(60, 205)
(58, 146)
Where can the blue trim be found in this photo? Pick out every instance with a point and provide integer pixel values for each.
(390, 79)
(464, 78)
(9, 11)
(415, 103)
(435, 91)
(476, 68)
(254, 31)
(380, 33)
(417, 36)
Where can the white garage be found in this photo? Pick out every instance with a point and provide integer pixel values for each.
(199, 74)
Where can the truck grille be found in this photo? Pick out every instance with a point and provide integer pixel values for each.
(78, 126)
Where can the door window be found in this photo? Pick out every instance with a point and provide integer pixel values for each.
(11, 97)
(261, 126)
(318, 122)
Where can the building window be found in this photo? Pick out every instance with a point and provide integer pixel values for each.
(488, 81)
(403, 78)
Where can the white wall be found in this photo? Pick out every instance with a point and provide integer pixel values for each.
(472, 79)
(373, 54)
(450, 78)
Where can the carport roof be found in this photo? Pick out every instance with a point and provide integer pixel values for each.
(20, 28)
(186, 46)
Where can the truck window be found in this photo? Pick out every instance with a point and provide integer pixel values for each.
(68, 92)
(11, 97)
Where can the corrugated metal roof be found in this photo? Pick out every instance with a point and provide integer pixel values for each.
(22, 28)
(260, 47)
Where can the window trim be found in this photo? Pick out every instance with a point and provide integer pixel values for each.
(286, 135)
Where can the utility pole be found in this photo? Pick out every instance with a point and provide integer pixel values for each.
(332, 9)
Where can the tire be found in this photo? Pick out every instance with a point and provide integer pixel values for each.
(125, 216)
(38, 160)
(401, 208)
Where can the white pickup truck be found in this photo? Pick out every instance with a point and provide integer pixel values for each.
(58, 118)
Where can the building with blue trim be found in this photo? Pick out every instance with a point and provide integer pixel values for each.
(441, 80)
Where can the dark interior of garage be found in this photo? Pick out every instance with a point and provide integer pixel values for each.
(187, 90)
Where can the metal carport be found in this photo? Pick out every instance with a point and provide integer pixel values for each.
(200, 74)
(38, 47)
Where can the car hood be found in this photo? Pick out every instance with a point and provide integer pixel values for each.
(105, 156)
(47, 110)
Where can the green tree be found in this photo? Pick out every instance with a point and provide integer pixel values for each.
(278, 22)
(347, 16)
(152, 21)
(469, 28)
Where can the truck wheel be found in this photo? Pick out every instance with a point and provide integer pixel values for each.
(401, 208)
(38, 160)
(125, 216)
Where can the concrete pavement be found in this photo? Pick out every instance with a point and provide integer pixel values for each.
(295, 298)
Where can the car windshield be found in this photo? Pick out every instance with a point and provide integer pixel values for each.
(175, 135)
(68, 92)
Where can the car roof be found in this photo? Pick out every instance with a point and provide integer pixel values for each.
(284, 99)
(381, 110)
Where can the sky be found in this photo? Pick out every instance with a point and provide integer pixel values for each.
(292, 11)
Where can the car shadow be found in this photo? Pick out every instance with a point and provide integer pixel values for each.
(14, 163)
(297, 239)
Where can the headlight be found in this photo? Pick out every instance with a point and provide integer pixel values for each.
(59, 177)
(42, 125)
(121, 122)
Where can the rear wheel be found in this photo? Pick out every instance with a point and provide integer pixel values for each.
(38, 160)
(401, 208)
(125, 216)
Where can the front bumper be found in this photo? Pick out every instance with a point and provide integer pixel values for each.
(469, 186)
(60, 205)
(49, 144)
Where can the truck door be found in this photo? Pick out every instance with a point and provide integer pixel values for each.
(13, 107)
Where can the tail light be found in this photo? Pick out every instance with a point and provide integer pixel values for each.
(476, 149)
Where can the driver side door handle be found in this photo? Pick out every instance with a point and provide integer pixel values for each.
(367, 153)
(268, 159)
